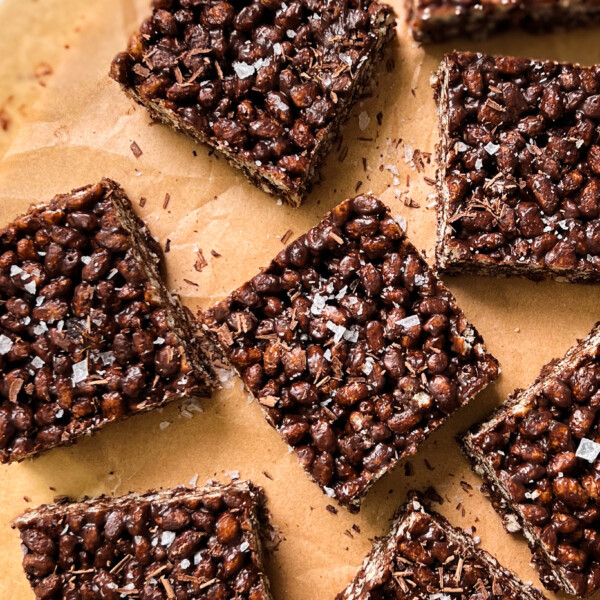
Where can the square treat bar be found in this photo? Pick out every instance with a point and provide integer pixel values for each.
(354, 349)
(538, 456)
(439, 20)
(182, 543)
(519, 167)
(267, 83)
(424, 558)
(88, 331)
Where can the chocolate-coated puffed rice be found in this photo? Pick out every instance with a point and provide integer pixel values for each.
(265, 82)
(424, 558)
(538, 454)
(180, 544)
(519, 176)
(88, 332)
(354, 349)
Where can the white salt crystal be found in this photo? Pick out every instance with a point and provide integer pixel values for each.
(420, 280)
(30, 287)
(401, 221)
(80, 371)
(588, 450)
(243, 70)
(244, 546)
(491, 148)
(40, 328)
(5, 344)
(351, 335)
(107, 358)
(329, 491)
(363, 120)
(164, 424)
(37, 363)
(167, 538)
(338, 331)
(341, 293)
(15, 270)
(318, 304)
(409, 322)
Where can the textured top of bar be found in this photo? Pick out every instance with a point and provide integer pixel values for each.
(519, 155)
(86, 330)
(355, 350)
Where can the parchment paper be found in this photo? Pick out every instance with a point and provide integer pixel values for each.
(78, 127)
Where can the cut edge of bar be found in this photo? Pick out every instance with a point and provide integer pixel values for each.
(268, 182)
(552, 574)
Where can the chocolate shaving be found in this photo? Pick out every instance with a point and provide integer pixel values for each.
(200, 261)
(137, 151)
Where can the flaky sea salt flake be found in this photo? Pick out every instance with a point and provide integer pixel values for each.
(363, 120)
(5, 344)
(243, 70)
(588, 450)
(409, 322)
(491, 148)
(318, 304)
(338, 331)
(37, 363)
(80, 371)
(167, 538)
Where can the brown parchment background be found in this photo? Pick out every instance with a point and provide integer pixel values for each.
(69, 125)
